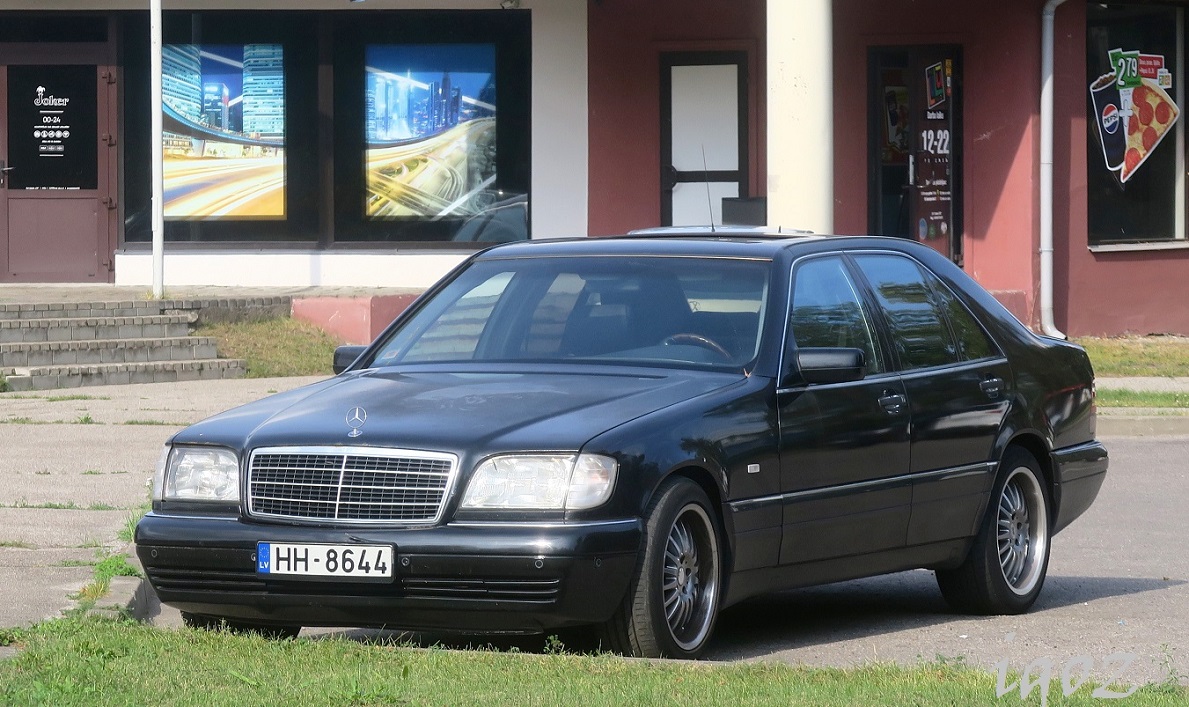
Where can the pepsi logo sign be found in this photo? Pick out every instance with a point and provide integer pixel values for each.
(1110, 118)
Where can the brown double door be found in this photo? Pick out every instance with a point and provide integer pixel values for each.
(58, 157)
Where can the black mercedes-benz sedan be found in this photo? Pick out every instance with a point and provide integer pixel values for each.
(632, 434)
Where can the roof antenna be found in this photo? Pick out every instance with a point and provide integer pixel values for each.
(709, 201)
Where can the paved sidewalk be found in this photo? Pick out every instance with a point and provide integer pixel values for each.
(39, 294)
(75, 466)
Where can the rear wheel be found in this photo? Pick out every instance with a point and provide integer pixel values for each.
(673, 601)
(214, 623)
(1006, 567)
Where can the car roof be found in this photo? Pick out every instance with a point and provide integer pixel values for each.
(751, 231)
(718, 244)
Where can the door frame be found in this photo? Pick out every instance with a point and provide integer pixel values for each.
(102, 55)
(670, 177)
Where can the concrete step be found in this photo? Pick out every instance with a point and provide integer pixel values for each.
(208, 309)
(91, 328)
(51, 377)
(83, 310)
(71, 353)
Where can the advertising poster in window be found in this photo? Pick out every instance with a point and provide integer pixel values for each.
(1133, 106)
(52, 128)
(431, 130)
(1133, 109)
(224, 131)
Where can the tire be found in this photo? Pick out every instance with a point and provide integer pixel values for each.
(1005, 570)
(672, 603)
(214, 623)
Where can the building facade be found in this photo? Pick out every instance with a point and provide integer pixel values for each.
(317, 142)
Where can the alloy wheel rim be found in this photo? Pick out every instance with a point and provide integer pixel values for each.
(689, 586)
(1022, 531)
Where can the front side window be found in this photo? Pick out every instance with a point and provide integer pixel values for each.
(918, 328)
(827, 311)
(703, 312)
(1135, 147)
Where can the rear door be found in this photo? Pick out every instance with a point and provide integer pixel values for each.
(958, 386)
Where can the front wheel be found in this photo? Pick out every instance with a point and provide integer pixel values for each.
(672, 604)
(1006, 567)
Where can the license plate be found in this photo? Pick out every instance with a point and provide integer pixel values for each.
(303, 560)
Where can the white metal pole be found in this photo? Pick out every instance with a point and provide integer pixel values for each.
(158, 153)
(1047, 324)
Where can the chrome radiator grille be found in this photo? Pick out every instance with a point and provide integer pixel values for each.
(349, 485)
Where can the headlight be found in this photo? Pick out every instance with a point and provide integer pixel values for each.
(542, 482)
(197, 474)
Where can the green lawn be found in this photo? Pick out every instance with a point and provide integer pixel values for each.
(1138, 356)
(99, 662)
(275, 347)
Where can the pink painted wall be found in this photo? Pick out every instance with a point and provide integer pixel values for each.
(626, 38)
(352, 320)
(1001, 59)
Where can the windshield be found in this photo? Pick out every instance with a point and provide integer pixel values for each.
(702, 312)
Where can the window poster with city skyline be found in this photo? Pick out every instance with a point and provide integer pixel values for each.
(224, 131)
(430, 129)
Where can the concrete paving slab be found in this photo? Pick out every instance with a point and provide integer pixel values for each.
(55, 528)
(48, 557)
(89, 464)
(33, 594)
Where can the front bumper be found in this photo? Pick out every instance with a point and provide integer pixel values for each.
(464, 577)
(1079, 471)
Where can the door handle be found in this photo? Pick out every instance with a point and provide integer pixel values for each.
(992, 387)
(4, 170)
(893, 403)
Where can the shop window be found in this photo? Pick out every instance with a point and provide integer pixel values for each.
(332, 128)
(1136, 147)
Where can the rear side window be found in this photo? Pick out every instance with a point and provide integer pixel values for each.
(972, 341)
(918, 327)
(827, 311)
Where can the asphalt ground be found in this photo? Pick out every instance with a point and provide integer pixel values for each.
(75, 467)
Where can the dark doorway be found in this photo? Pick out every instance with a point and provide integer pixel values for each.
(915, 145)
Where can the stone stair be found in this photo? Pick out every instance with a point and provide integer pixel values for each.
(69, 344)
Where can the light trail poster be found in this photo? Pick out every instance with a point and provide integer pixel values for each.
(224, 131)
(430, 128)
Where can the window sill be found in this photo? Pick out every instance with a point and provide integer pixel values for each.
(1179, 244)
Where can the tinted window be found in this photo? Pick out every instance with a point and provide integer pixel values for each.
(973, 343)
(704, 311)
(918, 329)
(828, 312)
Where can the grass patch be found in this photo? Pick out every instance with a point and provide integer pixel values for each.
(75, 396)
(1141, 399)
(1166, 356)
(275, 347)
(86, 420)
(67, 506)
(108, 566)
(3, 384)
(161, 423)
(19, 545)
(128, 531)
(76, 563)
(92, 661)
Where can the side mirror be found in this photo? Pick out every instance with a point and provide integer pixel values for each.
(831, 365)
(344, 356)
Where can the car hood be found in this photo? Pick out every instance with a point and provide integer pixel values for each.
(466, 412)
